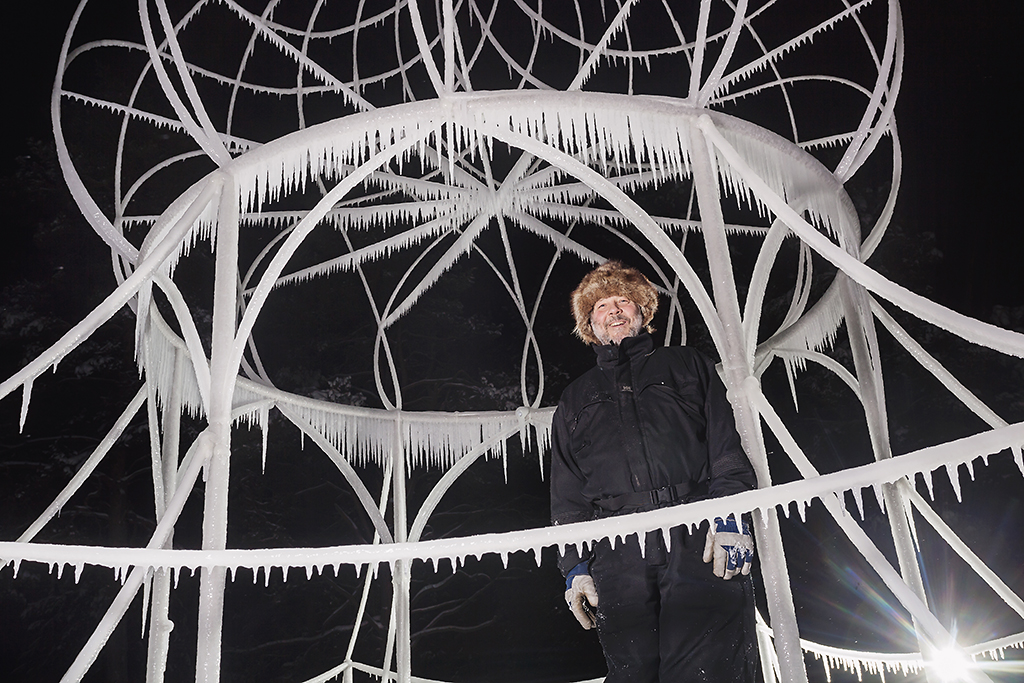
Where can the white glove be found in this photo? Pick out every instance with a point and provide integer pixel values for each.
(730, 547)
(581, 597)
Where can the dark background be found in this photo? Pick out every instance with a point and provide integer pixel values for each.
(957, 238)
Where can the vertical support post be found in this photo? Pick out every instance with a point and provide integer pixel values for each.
(764, 649)
(222, 384)
(402, 574)
(860, 325)
(160, 626)
(737, 373)
(448, 29)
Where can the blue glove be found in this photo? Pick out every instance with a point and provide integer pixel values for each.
(731, 548)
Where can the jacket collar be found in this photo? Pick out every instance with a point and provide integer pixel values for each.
(630, 349)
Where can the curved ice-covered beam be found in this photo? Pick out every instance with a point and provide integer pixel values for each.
(424, 47)
(86, 204)
(627, 207)
(346, 470)
(711, 82)
(304, 62)
(868, 135)
(925, 622)
(302, 230)
(924, 461)
(616, 25)
(859, 662)
(163, 251)
(202, 131)
(196, 457)
(381, 249)
(454, 472)
(929, 363)
(87, 468)
(641, 133)
(961, 549)
(779, 52)
(1006, 341)
(758, 287)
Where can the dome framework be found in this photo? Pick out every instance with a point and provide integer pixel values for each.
(426, 136)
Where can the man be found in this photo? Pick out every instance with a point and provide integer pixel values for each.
(647, 428)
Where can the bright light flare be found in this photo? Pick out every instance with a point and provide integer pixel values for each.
(951, 664)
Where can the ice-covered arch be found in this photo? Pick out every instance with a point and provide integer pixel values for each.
(433, 133)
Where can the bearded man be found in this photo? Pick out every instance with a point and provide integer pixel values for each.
(648, 428)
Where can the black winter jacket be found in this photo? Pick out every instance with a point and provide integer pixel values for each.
(645, 419)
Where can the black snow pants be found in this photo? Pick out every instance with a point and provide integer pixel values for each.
(665, 618)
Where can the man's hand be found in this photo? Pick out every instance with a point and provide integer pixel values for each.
(731, 548)
(581, 596)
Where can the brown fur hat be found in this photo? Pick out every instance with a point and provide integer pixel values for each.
(610, 279)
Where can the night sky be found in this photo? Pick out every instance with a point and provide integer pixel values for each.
(960, 134)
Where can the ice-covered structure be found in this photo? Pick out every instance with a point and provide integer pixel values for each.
(530, 137)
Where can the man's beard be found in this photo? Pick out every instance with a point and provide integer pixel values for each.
(635, 325)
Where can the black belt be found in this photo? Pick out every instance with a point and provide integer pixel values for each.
(677, 493)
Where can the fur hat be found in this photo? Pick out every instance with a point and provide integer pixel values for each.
(610, 279)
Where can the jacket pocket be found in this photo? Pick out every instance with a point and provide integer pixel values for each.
(587, 420)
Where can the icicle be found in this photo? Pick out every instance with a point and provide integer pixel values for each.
(26, 396)
(60, 570)
(970, 469)
(954, 480)
(266, 575)
(146, 585)
(801, 508)
(264, 418)
(78, 572)
(1018, 458)
(536, 556)
(284, 572)
(174, 574)
(504, 559)
(791, 377)
(17, 566)
(929, 484)
(642, 544)
(877, 488)
(858, 498)
(667, 536)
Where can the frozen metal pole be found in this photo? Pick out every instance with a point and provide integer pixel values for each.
(861, 326)
(737, 373)
(160, 626)
(402, 575)
(222, 384)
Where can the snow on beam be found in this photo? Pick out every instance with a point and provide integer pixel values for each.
(924, 460)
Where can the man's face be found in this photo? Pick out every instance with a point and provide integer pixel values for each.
(614, 318)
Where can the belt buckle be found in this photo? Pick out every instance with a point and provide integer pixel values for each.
(663, 495)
